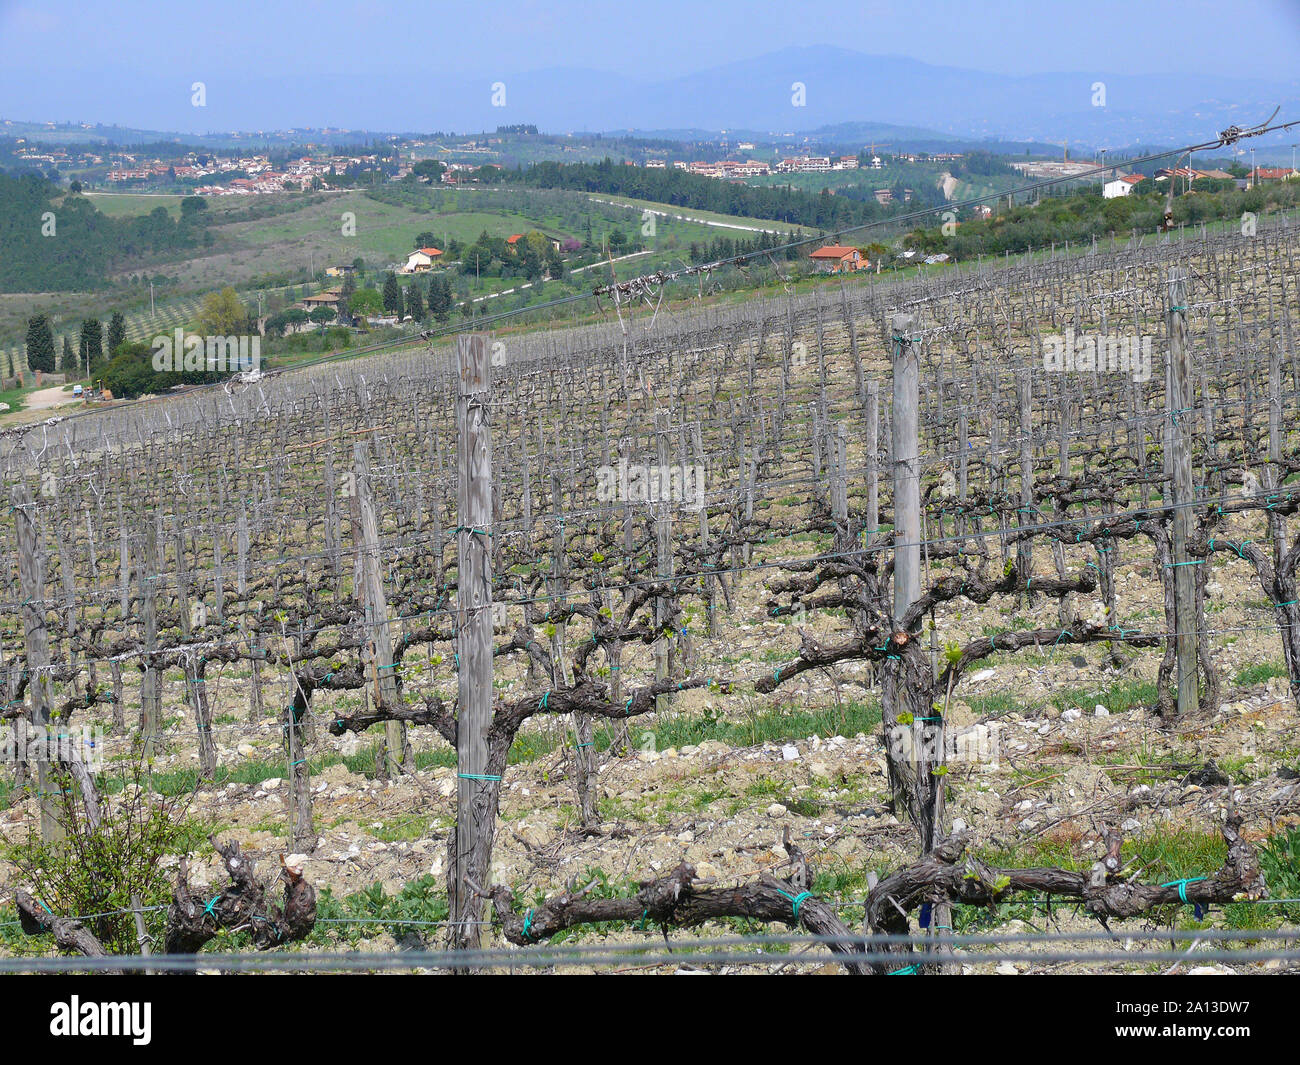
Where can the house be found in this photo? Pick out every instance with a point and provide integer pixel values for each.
(514, 238)
(330, 299)
(837, 258)
(340, 271)
(420, 260)
(982, 210)
(1121, 186)
(1272, 173)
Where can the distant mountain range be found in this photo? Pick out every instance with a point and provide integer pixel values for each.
(883, 92)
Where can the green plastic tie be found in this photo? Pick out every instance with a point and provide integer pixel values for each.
(1181, 885)
(796, 900)
(909, 971)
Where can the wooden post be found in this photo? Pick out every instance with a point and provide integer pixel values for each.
(561, 673)
(913, 729)
(907, 470)
(1178, 468)
(477, 787)
(379, 641)
(873, 459)
(36, 643)
(1026, 514)
(150, 682)
(664, 561)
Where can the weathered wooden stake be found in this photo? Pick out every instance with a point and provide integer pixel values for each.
(1178, 467)
(36, 642)
(471, 844)
(379, 641)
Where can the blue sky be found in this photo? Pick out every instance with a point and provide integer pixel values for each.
(62, 37)
(108, 62)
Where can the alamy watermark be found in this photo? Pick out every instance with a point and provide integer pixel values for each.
(1098, 354)
(130, 1020)
(196, 354)
(625, 483)
(41, 743)
(918, 741)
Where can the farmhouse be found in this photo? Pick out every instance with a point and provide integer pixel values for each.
(420, 260)
(1121, 186)
(837, 258)
(330, 299)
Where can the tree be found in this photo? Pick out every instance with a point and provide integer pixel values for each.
(440, 297)
(322, 316)
(222, 314)
(415, 303)
(365, 301)
(392, 295)
(75, 186)
(429, 170)
(116, 331)
(92, 343)
(40, 343)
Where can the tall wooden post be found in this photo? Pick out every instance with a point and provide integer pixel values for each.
(664, 561)
(1178, 468)
(907, 470)
(561, 673)
(477, 786)
(378, 638)
(150, 681)
(913, 728)
(36, 643)
(1026, 514)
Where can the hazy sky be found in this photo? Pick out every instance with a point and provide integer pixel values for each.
(428, 65)
(71, 39)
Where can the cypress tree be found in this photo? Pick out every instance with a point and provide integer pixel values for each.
(116, 332)
(392, 294)
(40, 343)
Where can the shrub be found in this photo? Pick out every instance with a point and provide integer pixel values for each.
(96, 870)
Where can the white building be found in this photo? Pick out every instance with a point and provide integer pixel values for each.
(1121, 186)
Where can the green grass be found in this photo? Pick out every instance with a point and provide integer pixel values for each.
(1258, 674)
(995, 704)
(128, 204)
(15, 397)
(767, 726)
(1117, 698)
(414, 909)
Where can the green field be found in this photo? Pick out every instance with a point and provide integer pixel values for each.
(125, 204)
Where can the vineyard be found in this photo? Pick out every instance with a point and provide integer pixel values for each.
(893, 610)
